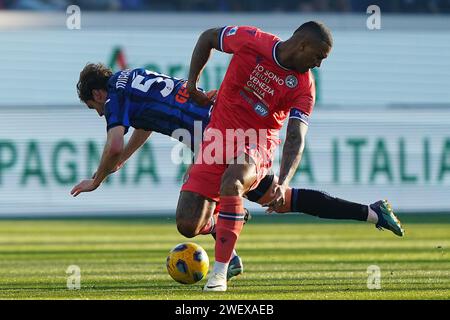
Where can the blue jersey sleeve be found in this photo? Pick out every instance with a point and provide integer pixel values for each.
(117, 110)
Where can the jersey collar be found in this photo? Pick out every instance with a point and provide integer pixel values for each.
(274, 55)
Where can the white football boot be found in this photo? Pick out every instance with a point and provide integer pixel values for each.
(216, 282)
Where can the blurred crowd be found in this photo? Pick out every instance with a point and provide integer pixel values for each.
(394, 6)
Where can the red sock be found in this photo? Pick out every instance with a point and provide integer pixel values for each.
(210, 226)
(229, 226)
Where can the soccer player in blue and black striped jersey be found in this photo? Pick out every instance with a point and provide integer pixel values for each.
(149, 101)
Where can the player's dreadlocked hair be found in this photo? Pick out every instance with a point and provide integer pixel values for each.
(93, 76)
(318, 30)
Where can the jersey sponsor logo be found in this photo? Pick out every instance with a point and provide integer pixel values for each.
(245, 97)
(291, 81)
(261, 109)
(260, 106)
(266, 75)
(232, 31)
(182, 95)
(259, 88)
(261, 80)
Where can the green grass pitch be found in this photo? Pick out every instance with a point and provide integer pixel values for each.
(285, 257)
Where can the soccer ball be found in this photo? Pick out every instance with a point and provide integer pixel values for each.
(187, 263)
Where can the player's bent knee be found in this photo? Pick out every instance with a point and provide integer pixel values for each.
(186, 224)
(187, 229)
(193, 212)
(232, 184)
(231, 187)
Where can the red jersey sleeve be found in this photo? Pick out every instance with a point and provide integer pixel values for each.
(306, 96)
(232, 38)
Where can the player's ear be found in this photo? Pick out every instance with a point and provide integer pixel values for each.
(97, 95)
(302, 45)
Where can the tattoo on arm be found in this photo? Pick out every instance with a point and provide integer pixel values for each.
(292, 150)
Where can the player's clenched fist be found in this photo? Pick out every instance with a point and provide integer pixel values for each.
(279, 198)
(199, 96)
(84, 186)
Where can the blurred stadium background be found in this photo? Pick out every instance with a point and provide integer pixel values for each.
(380, 128)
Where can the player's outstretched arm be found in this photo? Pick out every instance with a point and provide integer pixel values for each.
(292, 155)
(137, 140)
(110, 157)
(207, 41)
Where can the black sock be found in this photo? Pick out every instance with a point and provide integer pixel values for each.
(321, 204)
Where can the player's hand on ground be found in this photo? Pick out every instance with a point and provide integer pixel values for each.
(278, 200)
(84, 186)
